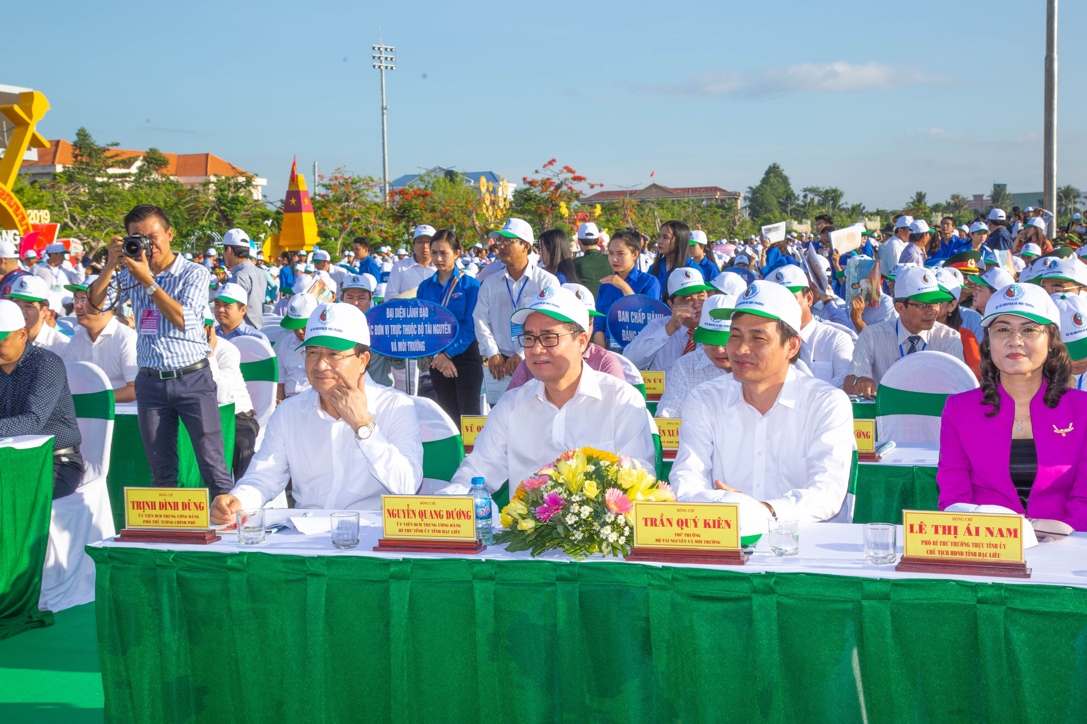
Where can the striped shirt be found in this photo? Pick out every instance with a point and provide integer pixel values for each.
(164, 346)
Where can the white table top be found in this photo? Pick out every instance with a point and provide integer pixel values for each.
(827, 548)
(25, 442)
(911, 455)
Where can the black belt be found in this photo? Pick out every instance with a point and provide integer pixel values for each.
(174, 374)
(73, 450)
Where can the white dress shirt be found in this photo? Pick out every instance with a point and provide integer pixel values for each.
(654, 349)
(328, 466)
(292, 365)
(226, 370)
(57, 276)
(827, 351)
(499, 295)
(689, 371)
(51, 339)
(406, 275)
(881, 345)
(114, 352)
(796, 457)
(525, 432)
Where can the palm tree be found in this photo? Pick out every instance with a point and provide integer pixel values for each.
(958, 204)
(1067, 200)
(918, 205)
(1000, 198)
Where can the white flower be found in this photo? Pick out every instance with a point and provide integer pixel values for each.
(609, 517)
(612, 537)
(586, 510)
(570, 520)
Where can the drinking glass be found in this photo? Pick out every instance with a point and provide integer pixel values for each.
(784, 536)
(879, 543)
(345, 529)
(250, 526)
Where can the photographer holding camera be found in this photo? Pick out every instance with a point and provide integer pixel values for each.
(168, 295)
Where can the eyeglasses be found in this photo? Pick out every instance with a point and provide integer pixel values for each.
(548, 339)
(313, 355)
(921, 305)
(1029, 332)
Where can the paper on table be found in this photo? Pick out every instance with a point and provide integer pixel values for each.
(310, 524)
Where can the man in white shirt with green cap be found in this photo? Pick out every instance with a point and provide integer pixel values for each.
(1062, 276)
(102, 340)
(342, 444)
(666, 339)
(767, 438)
(826, 350)
(32, 295)
(706, 363)
(291, 359)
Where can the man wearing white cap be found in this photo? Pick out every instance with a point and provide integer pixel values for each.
(211, 258)
(102, 340)
(706, 363)
(1073, 309)
(767, 438)
(914, 253)
(290, 359)
(999, 238)
(358, 291)
(917, 300)
(666, 339)
(697, 256)
(408, 272)
(826, 350)
(243, 272)
(342, 444)
(10, 269)
(592, 265)
(52, 269)
(31, 293)
(502, 293)
(230, 309)
(568, 405)
(891, 249)
(322, 269)
(1062, 276)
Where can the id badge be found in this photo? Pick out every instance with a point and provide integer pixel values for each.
(149, 321)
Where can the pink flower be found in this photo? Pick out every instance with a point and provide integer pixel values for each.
(553, 503)
(535, 483)
(624, 461)
(617, 501)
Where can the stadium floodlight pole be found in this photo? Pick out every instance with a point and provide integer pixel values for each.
(384, 59)
(1049, 172)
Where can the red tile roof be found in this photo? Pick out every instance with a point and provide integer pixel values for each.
(61, 153)
(658, 191)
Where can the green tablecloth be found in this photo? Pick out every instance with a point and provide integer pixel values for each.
(257, 637)
(884, 491)
(26, 502)
(128, 462)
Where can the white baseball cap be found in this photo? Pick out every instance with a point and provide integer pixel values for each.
(729, 282)
(713, 330)
(557, 303)
(321, 255)
(232, 293)
(919, 227)
(1069, 268)
(903, 222)
(1073, 309)
(1037, 222)
(359, 281)
(299, 308)
(995, 278)
(765, 299)
(401, 252)
(31, 254)
(950, 280)
(588, 231)
(1028, 210)
(11, 318)
(8, 250)
(1031, 250)
(584, 296)
(997, 215)
(301, 283)
(742, 259)
(685, 280)
(920, 285)
(55, 248)
(517, 229)
(1077, 216)
(898, 269)
(791, 277)
(1023, 300)
(698, 237)
(236, 237)
(336, 326)
(29, 288)
(211, 252)
(188, 256)
(424, 230)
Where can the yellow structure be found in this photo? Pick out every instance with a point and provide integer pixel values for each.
(24, 115)
(299, 229)
(495, 206)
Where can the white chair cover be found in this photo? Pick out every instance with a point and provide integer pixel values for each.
(441, 449)
(915, 418)
(260, 373)
(630, 371)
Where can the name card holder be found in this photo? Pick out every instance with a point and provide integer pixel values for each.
(167, 515)
(429, 524)
(654, 384)
(963, 544)
(470, 427)
(668, 429)
(701, 533)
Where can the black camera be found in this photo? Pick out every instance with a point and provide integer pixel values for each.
(134, 245)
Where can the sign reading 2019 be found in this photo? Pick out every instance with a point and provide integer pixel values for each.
(410, 328)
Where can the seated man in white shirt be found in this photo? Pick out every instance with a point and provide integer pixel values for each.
(826, 350)
(917, 300)
(567, 405)
(666, 339)
(31, 293)
(230, 389)
(103, 340)
(706, 363)
(767, 438)
(230, 311)
(289, 358)
(342, 444)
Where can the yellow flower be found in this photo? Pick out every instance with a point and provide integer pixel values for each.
(572, 471)
(526, 524)
(591, 489)
(520, 493)
(604, 455)
(516, 509)
(639, 483)
(505, 520)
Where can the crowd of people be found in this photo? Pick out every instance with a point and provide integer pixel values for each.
(762, 347)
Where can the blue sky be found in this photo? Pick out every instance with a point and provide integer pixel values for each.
(880, 99)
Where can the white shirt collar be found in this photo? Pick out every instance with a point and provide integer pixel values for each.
(789, 396)
(587, 386)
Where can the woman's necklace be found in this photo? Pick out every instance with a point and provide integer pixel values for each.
(1019, 425)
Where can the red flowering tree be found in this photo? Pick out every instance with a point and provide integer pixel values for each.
(548, 199)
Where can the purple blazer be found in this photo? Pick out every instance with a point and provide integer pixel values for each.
(975, 451)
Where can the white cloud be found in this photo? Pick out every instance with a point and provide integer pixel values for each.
(936, 133)
(774, 81)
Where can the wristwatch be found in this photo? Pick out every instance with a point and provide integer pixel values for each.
(364, 432)
(151, 288)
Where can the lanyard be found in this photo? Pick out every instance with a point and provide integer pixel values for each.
(902, 354)
(449, 291)
(517, 301)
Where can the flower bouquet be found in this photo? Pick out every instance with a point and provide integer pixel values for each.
(581, 504)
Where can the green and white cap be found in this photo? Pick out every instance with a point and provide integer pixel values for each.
(11, 318)
(713, 330)
(298, 310)
(557, 303)
(791, 277)
(232, 293)
(209, 318)
(950, 280)
(898, 269)
(82, 287)
(765, 299)
(585, 297)
(359, 281)
(995, 278)
(1030, 251)
(920, 285)
(682, 282)
(1023, 300)
(337, 326)
(1069, 269)
(698, 237)
(30, 288)
(517, 229)
(1073, 309)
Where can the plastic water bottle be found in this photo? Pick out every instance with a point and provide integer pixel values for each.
(483, 511)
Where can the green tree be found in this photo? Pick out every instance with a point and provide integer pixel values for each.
(1067, 200)
(918, 204)
(1000, 198)
(773, 198)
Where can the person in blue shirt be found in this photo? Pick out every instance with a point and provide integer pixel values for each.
(1000, 238)
(697, 258)
(623, 251)
(286, 273)
(364, 262)
(456, 372)
(673, 242)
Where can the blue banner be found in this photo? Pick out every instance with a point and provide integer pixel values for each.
(631, 314)
(410, 328)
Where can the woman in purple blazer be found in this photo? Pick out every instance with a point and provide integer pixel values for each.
(1020, 441)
